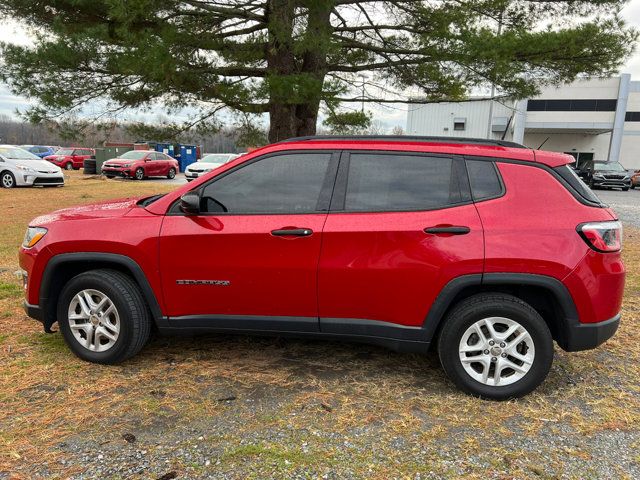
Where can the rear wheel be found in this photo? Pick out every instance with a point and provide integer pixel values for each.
(7, 180)
(495, 346)
(139, 174)
(103, 316)
(172, 173)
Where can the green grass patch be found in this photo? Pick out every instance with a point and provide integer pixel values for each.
(10, 290)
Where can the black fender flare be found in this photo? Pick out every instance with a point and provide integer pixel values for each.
(57, 261)
(444, 300)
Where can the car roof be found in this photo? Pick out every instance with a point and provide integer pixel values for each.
(469, 147)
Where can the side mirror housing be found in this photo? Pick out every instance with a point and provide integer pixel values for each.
(190, 203)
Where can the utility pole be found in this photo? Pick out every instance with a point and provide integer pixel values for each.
(493, 87)
(363, 78)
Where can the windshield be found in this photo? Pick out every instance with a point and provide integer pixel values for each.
(134, 155)
(65, 151)
(217, 158)
(608, 167)
(17, 154)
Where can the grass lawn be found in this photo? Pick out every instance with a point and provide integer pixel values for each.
(240, 407)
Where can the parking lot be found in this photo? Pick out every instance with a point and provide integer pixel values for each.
(252, 407)
(625, 204)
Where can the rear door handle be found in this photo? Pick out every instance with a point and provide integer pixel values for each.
(292, 232)
(447, 230)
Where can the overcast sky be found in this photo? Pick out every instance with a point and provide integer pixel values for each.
(389, 116)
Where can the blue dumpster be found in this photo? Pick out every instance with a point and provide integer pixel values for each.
(168, 148)
(188, 155)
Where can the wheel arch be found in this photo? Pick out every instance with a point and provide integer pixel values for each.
(547, 295)
(63, 267)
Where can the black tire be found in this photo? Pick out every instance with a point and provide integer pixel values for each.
(68, 166)
(135, 321)
(625, 189)
(172, 173)
(485, 305)
(591, 185)
(7, 180)
(110, 176)
(139, 173)
(633, 186)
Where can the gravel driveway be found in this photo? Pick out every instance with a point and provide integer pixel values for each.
(625, 204)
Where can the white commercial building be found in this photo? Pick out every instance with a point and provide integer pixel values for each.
(597, 118)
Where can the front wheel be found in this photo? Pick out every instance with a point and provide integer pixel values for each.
(68, 166)
(103, 316)
(625, 189)
(139, 174)
(7, 180)
(172, 173)
(495, 346)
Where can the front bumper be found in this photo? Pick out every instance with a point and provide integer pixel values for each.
(605, 183)
(34, 311)
(39, 179)
(116, 171)
(585, 336)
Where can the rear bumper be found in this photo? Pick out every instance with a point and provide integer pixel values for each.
(585, 336)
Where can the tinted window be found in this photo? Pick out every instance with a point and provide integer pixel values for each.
(570, 176)
(279, 184)
(400, 182)
(484, 179)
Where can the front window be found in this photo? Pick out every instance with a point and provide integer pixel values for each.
(289, 183)
(133, 155)
(17, 154)
(608, 167)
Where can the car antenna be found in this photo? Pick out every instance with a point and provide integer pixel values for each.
(546, 140)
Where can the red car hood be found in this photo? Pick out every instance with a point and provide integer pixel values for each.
(118, 161)
(113, 208)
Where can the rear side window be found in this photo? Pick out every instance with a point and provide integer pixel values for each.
(483, 179)
(575, 182)
(395, 182)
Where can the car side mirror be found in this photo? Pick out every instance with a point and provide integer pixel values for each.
(190, 203)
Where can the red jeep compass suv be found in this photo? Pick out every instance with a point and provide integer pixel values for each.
(404, 242)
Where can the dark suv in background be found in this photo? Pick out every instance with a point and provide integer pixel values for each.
(603, 174)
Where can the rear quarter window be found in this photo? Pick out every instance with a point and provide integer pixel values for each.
(484, 180)
(575, 182)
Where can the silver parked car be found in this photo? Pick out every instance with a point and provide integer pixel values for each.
(19, 168)
(207, 163)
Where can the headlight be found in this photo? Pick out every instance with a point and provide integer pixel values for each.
(125, 165)
(24, 168)
(597, 175)
(33, 236)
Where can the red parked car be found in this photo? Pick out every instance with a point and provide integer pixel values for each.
(406, 242)
(140, 164)
(70, 158)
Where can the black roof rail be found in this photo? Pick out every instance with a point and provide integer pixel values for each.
(408, 138)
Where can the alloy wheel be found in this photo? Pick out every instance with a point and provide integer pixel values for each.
(139, 174)
(94, 320)
(496, 351)
(7, 180)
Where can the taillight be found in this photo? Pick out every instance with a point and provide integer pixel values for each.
(602, 236)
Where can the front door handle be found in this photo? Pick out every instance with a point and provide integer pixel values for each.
(292, 232)
(454, 230)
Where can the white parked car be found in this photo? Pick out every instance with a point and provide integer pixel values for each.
(19, 168)
(207, 163)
